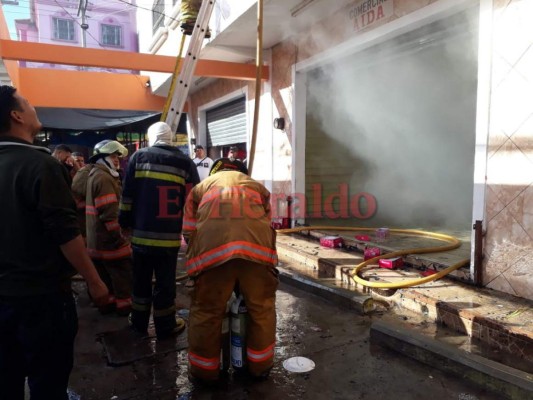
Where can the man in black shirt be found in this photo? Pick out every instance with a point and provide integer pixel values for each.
(40, 242)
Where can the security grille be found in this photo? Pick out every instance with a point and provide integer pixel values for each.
(226, 124)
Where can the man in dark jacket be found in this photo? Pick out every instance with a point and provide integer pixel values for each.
(41, 242)
(152, 202)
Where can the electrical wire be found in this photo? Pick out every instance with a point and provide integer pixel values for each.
(148, 9)
(118, 1)
(75, 18)
(77, 22)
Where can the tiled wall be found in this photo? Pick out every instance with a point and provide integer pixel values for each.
(284, 56)
(508, 263)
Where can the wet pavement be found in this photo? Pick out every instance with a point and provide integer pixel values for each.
(336, 339)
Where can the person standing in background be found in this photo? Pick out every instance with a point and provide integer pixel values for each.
(202, 161)
(63, 154)
(79, 160)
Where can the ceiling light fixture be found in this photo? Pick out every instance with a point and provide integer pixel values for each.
(300, 7)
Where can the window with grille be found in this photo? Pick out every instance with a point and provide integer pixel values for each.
(158, 14)
(63, 29)
(111, 35)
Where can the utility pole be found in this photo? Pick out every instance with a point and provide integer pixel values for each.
(82, 9)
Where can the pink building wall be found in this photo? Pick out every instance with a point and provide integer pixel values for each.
(40, 27)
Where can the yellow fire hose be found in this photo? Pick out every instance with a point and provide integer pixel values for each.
(177, 68)
(453, 244)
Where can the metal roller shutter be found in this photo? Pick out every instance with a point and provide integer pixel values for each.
(226, 124)
(400, 127)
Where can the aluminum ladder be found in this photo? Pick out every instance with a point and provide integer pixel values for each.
(180, 84)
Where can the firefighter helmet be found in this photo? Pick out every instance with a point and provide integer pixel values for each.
(107, 147)
(225, 164)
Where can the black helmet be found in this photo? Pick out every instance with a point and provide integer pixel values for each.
(225, 164)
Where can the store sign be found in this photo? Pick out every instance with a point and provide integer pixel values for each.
(367, 12)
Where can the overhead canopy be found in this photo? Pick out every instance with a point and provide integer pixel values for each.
(87, 119)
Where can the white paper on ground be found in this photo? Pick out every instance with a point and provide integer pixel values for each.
(299, 364)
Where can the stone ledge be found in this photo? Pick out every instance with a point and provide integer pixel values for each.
(433, 300)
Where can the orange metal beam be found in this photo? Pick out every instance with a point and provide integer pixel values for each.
(70, 55)
(83, 89)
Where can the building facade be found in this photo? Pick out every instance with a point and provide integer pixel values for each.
(398, 113)
(95, 24)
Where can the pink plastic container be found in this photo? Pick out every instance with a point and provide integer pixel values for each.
(391, 263)
(331, 241)
(371, 252)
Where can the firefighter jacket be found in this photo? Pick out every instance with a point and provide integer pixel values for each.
(227, 216)
(104, 237)
(38, 216)
(154, 193)
(79, 192)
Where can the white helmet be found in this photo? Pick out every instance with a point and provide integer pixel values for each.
(107, 147)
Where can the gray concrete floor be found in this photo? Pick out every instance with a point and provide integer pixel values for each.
(337, 340)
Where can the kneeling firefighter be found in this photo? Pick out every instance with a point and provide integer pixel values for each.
(108, 248)
(227, 226)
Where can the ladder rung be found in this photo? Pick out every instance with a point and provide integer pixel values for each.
(181, 90)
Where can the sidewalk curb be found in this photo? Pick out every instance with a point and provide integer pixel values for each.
(509, 382)
(343, 297)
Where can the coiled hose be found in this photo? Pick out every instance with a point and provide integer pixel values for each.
(453, 243)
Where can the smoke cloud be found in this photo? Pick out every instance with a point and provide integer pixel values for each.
(398, 121)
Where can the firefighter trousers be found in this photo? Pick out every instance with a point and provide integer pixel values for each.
(212, 290)
(117, 275)
(145, 266)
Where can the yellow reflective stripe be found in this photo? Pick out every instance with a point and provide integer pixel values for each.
(160, 175)
(164, 312)
(141, 307)
(125, 207)
(155, 242)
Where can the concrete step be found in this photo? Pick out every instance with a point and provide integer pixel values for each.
(329, 290)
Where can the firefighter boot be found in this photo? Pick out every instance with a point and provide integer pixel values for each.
(140, 315)
(187, 27)
(123, 307)
(169, 330)
(109, 306)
